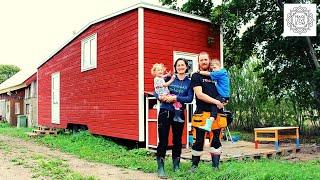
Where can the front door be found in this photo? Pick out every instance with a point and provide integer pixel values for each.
(55, 98)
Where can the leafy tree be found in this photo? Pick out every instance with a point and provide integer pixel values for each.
(6, 71)
(201, 8)
(287, 70)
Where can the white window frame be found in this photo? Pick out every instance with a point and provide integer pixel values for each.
(55, 99)
(187, 55)
(93, 56)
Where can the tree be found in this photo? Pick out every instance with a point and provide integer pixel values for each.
(288, 70)
(286, 61)
(6, 71)
(200, 8)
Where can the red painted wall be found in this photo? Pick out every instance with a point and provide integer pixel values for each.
(165, 33)
(31, 79)
(105, 98)
(16, 96)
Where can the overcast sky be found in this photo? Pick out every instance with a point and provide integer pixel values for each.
(31, 30)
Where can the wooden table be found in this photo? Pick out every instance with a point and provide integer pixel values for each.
(277, 136)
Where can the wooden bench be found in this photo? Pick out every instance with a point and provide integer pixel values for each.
(277, 135)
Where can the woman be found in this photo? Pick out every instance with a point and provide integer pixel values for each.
(180, 91)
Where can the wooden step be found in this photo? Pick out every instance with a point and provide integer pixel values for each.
(32, 134)
(45, 132)
(46, 128)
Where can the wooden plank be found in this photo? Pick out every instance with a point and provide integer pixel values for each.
(276, 128)
(264, 131)
(281, 137)
(265, 139)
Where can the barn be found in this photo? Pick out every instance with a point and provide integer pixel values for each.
(18, 96)
(99, 78)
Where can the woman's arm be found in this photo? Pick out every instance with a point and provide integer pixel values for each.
(185, 99)
(160, 98)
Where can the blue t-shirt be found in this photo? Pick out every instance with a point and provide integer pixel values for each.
(222, 82)
(183, 91)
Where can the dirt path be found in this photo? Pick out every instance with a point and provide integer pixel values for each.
(21, 159)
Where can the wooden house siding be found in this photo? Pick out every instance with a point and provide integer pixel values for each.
(105, 98)
(165, 33)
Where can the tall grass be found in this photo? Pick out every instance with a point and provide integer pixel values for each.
(98, 149)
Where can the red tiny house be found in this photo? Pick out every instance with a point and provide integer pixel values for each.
(109, 98)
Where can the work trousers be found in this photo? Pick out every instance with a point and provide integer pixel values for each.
(197, 147)
(165, 120)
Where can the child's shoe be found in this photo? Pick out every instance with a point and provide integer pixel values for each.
(207, 126)
(177, 116)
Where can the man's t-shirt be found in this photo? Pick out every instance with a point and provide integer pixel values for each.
(208, 87)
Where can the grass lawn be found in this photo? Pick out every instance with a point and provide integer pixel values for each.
(99, 149)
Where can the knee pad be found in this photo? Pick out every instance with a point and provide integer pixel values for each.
(215, 151)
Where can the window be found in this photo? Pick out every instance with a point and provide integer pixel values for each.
(89, 53)
(27, 93)
(191, 58)
(17, 108)
(27, 108)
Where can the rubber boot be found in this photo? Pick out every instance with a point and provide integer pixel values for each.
(177, 116)
(161, 173)
(207, 126)
(215, 161)
(176, 163)
(195, 163)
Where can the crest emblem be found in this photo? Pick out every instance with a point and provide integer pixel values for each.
(300, 20)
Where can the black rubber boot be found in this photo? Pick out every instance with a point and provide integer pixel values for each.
(195, 163)
(215, 161)
(176, 163)
(161, 173)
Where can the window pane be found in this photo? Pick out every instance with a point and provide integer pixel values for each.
(93, 44)
(17, 108)
(86, 54)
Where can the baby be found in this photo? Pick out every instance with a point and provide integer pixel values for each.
(161, 87)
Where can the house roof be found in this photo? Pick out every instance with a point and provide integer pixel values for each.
(17, 81)
(138, 5)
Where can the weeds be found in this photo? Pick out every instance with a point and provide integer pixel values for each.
(101, 150)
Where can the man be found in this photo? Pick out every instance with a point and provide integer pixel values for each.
(205, 91)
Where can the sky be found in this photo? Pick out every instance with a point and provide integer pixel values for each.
(31, 30)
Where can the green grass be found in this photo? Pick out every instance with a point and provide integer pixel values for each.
(6, 149)
(98, 149)
(5, 128)
(55, 168)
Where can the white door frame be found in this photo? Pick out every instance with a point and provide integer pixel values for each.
(188, 56)
(55, 98)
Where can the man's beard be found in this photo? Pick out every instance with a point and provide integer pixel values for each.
(205, 67)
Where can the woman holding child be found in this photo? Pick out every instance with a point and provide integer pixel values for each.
(172, 114)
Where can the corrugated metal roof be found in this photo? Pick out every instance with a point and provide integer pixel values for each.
(16, 81)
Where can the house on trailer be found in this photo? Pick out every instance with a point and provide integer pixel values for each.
(98, 79)
(18, 96)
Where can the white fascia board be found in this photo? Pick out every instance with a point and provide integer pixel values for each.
(13, 88)
(221, 48)
(141, 107)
